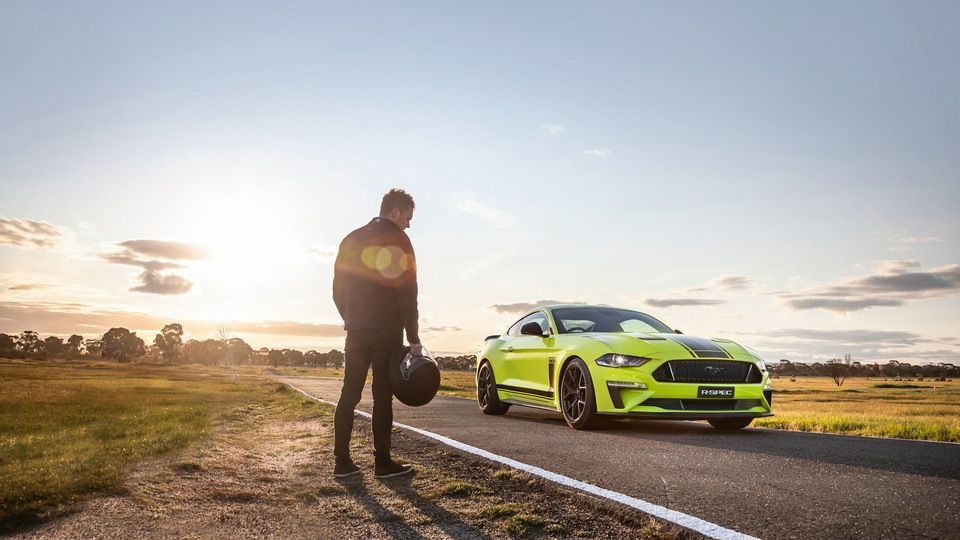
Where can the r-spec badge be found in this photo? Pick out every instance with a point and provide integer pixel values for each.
(715, 392)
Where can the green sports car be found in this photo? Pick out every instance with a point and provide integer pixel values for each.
(590, 361)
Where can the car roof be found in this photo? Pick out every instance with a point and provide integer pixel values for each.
(552, 307)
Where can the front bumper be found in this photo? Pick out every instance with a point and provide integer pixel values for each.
(638, 393)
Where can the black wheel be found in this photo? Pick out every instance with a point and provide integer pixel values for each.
(577, 401)
(487, 396)
(730, 423)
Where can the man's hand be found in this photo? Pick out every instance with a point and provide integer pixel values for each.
(416, 349)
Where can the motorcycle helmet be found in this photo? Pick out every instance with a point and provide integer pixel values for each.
(414, 379)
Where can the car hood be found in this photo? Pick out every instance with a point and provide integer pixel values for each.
(673, 346)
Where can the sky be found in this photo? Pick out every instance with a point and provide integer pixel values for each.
(785, 174)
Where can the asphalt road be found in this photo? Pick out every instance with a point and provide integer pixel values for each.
(765, 483)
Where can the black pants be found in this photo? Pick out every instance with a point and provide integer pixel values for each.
(366, 348)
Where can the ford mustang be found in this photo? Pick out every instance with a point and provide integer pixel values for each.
(589, 362)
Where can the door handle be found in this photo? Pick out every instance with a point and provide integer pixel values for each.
(508, 349)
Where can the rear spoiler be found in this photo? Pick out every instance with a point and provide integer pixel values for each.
(488, 338)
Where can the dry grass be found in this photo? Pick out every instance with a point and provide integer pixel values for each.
(71, 430)
(924, 410)
(254, 459)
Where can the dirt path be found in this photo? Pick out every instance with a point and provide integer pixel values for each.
(270, 477)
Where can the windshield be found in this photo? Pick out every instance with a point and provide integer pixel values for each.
(594, 319)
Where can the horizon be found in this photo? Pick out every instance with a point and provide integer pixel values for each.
(782, 175)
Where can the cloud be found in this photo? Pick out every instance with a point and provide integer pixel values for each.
(437, 329)
(30, 287)
(597, 152)
(157, 283)
(155, 256)
(165, 249)
(849, 337)
(730, 283)
(494, 216)
(553, 129)
(79, 318)
(864, 345)
(676, 302)
(27, 233)
(893, 284)
(841, 305)
(69, 318)
(916, 239)
(288, 328)
(26, 287)
(523, 307)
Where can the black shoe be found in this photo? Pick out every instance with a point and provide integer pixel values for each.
(343, 470)
(391, 469)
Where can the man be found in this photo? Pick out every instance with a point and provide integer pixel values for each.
(375, 290)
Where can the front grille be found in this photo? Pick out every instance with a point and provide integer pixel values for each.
(703, 404)
(708, 371)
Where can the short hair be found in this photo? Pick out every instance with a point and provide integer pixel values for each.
(396, 198)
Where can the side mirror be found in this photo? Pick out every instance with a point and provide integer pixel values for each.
(531, 329)
(677, 331)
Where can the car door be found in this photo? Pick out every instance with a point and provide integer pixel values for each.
(529, 360)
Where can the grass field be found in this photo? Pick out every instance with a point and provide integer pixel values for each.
(182, 447)
(69, 430)
(925, 410)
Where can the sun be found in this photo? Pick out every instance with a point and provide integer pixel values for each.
(248, 241)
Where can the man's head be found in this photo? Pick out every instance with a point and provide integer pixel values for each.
(397, 206)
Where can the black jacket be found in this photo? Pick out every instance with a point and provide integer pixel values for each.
(375, 280)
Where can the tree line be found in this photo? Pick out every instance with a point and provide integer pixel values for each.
(168, 346)
(841, 369)
(122, 345)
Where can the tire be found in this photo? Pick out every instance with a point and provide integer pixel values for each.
(577, 400)
(730, 424)
(487, 397)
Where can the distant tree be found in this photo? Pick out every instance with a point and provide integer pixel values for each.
(214, 352)
(8, 346)
(53, 345)
(93, 346)
(190, 353)
(890, 369)
(837, 370)
(313, 359)
(74, 346)
(292, 357)
(787, 368)
(122, 345)
(169, 341)
(335, 359)
(275, 357)
(30, 345)
(238, 352)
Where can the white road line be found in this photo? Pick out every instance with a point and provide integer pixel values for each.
(703, 527)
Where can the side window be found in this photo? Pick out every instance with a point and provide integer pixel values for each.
(539, 318)
(515, 329)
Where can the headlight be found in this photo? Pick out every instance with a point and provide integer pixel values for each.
(621, 360)
(761, 363)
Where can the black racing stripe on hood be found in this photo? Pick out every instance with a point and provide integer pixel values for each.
(701, 348)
